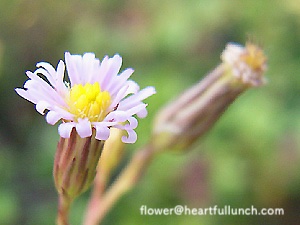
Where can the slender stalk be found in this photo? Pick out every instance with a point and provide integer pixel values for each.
(94, 204)
(64, 204)
(98, 207)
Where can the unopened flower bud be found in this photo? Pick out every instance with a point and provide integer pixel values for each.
(75, 164)
(194, 112)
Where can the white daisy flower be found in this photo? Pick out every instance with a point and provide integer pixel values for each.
(96, 96)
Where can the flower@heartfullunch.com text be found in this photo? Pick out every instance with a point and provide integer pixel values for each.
(226, 210)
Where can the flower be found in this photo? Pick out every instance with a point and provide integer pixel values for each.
(187, 118)
(96, 96)
(247, 63)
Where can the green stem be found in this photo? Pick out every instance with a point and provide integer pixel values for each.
(64, 204)
(98, 207)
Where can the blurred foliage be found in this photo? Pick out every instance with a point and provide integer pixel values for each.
(251, 157)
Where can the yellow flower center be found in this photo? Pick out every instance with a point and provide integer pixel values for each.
(88, 101)
(254, 57)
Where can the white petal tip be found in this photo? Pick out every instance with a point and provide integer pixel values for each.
(65, 129)
(84, 128)
(131, 138)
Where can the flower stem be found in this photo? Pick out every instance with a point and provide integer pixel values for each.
(64, 204)
(99, 206)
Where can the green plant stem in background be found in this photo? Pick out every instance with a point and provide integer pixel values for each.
(64, 204)
(126, 180)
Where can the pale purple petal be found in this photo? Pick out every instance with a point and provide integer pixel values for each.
(90, 68)
(132, 124)
(48, 67)
(64, 113)
(35, 82)
(36, 93)
(48, 71)
(114, 65)
(60, 85)
(136, 109)
(133, 100)
(131, 138)
(104, 123)
(54, 77)
(142, 113)
(24, 94)
(41, 106)
(102, 71)
(117, 116)
(65, 129)
(133, 87)
(53, 117)
(120, 95)
(86, 67)
(102, 132)
(120, 80)
(41, 90)
(71, 63)
(84, 128)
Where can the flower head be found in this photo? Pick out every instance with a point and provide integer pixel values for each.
(187, 118)
(96, 96)
(248, 63)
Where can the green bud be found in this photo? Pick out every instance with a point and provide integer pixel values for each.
(192, 114)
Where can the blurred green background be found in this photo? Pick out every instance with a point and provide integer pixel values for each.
(251, 156)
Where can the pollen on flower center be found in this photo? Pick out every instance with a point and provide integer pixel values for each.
(88, 101)
(254, 57)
